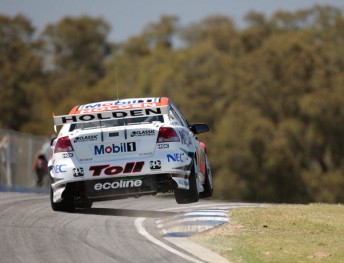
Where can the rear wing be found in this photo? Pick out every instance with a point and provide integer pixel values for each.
(109, 115)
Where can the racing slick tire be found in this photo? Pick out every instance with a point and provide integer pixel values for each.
(191, 195)
(84, 203)
(208, 184)
(67, 203)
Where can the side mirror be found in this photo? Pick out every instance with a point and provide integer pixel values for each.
(199, 128)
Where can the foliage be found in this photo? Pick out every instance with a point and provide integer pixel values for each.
(20, 69)
(75, 50)
(271, 92)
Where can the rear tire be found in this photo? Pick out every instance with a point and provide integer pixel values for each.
(67, 203)
(85, 203)
(191, 195)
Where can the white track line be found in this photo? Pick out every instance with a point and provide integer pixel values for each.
(140, 228)
(214, 206)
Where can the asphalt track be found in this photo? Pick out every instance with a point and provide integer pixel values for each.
(113, 231)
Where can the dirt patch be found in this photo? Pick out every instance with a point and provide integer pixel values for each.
(228, 229)
(319, 255)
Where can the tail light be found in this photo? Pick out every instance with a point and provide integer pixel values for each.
(63, 144)
(167, 134)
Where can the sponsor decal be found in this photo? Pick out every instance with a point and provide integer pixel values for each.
(138, 103)
(77, 172)
(67, 155)
(163, 146)
(142, 133)
(86, 138)
(60, 168)
(113, 134)
(106, 107)
(85, 159)
(146, 154)
(155, 165)
(118, 184)
(176, 157)
(115, 148)
(188, 155)
(106, 169)
(107, 115)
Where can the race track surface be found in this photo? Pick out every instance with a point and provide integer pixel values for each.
(31, 232)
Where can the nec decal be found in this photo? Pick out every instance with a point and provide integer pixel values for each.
(176, 157)
(60, 168)
(106, 169)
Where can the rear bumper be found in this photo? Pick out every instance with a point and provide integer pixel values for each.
(116, 180)
(162, 171)
(65, 169)
(118, 187)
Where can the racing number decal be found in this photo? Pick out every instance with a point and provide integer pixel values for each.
(134, 167)
(77, 172)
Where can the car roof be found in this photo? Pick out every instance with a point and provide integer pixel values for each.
(122, 104)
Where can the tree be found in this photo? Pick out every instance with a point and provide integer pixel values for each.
(20, 71)
(256, 33)
(160, 34)
(75, 43)
(220, 31)
(77, 48)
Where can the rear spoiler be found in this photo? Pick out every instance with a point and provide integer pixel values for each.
(109, 115)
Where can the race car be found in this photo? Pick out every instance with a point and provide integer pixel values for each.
(127, 148)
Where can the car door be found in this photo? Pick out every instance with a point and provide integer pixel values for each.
(200, 159)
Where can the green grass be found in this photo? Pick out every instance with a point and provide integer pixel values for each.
(283, 233)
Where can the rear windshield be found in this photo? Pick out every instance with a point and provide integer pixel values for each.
(117, 122)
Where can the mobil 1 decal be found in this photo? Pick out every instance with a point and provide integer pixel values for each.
(114, 148)
(106, 169)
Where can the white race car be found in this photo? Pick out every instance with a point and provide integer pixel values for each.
(127, 148)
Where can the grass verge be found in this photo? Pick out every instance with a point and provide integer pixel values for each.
(281, 233)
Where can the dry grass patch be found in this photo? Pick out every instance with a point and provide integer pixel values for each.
(283, 233)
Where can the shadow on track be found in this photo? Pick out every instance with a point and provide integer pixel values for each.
(125, 212)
